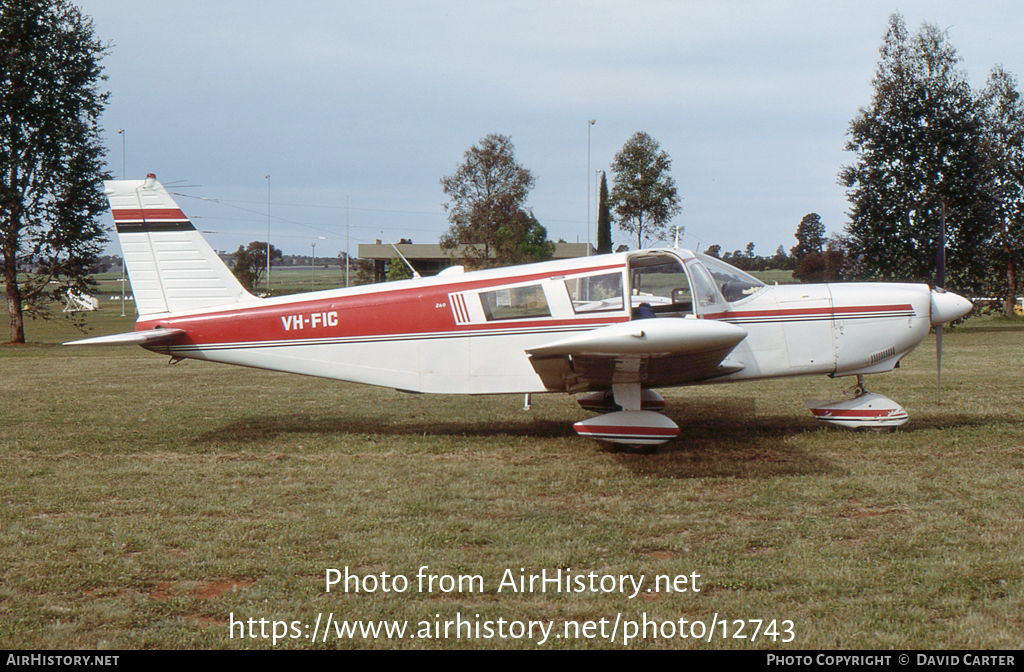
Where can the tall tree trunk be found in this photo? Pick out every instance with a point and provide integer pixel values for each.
(1011, 275)
(14, 301)
(1011, 282)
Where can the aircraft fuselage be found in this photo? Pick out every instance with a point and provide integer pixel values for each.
(470, 333)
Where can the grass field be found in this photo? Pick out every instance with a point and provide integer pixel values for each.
(146, 505)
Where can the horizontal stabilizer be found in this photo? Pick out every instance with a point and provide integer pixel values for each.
(146, 337)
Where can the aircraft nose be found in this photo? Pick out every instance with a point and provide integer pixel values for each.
(947, 306)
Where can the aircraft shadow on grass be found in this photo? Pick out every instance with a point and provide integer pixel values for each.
(719, 438)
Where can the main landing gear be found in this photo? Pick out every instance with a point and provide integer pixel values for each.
(628, 419)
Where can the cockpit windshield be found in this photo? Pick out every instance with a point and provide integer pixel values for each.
(733, 283)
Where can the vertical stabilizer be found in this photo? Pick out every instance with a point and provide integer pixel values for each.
(171, 266)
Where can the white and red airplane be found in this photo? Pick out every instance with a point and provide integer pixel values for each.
(614, 326)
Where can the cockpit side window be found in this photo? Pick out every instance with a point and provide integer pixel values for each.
(659, 286)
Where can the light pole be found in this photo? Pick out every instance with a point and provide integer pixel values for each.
(346, 241)
(120, 132)
(268, 234)
(589, 124)
(312, 264)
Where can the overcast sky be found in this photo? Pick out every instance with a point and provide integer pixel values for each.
(376, 101)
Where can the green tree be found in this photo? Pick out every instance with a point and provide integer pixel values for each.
(644, 193)
(530, 241)
(1004, 143)
(250, 263)
(51, 156)
(919, 169)
(810, 237)
(826, 265)
(398, 270)
(813, 258)
(835, 258)
(604, 219)
(487, 195)
(780, 259)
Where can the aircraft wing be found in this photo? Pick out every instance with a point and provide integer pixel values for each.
(147, 337)
(657, 352)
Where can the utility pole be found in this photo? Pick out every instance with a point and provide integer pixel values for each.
(346, 242)
(268, 234)
(589, 124)
(120, 132)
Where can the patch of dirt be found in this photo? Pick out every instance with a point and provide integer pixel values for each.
(204, 590)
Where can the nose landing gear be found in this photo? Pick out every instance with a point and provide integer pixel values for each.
(865, 410)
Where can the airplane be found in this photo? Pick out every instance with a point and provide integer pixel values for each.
(612, 328)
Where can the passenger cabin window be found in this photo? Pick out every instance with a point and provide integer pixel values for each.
(659, 281)
(595, 293)
(515, 303)
(733, 283)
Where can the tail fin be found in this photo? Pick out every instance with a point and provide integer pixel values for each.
(170, 265)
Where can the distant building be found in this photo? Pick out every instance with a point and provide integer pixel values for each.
(431, 259)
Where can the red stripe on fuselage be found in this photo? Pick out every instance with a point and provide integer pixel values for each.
(836, 313)
(410, 311)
